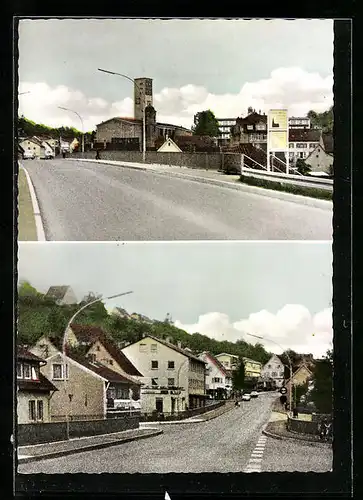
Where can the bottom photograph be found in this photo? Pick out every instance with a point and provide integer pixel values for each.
(185, 357)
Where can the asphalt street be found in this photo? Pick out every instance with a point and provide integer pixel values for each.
(82, 201)
(224, 444)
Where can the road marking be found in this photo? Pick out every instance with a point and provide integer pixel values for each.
(255, 462)
(36, 211)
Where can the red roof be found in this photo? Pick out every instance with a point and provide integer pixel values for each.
(98, 368)
(40, 385)
(304, 135)
(216, 362)
(24, 354)
(89, 334)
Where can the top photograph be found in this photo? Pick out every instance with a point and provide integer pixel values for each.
(174, 129)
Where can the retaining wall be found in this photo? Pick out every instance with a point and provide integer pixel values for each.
(229, 162)
(302, 426)
(28, 434)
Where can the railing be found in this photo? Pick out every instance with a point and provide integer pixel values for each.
(292, 178)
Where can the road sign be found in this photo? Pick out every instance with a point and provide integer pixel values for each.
(283, 390)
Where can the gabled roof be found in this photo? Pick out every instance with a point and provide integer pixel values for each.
(251, 360)
(40, 385)
(172, 346)
(168, 142)
(226, 354)
(57, 292)
(101, 370)
(89, 334)
(23, 354)
(132, 121)
(217, 363)
(272, 357)
(301, 367)
(304, 135)
(252, 119)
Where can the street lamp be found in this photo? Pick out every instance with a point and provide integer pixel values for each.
(288, 357)
(144, 108)
(64, 343)
(22, 93)
(79, 116)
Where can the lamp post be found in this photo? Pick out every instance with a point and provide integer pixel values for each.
(22, 93)
(144, 108)
(64, 344)
(79, 116)
(288, 357)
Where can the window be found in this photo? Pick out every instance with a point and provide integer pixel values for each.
(154, 347)
(40, 409)
(171, 365)
(19, 370)
(32, 411)
(58, 371)
(249, 127)
(154, 381)
(142, 347)
(171, 381)
(154, 365)
(27, 372)
(274, 374)
(291, 145)
(34, 373)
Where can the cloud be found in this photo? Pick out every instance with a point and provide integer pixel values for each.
(292, 327)
(292, 87)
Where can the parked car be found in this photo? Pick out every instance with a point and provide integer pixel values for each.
(246, 397)
(28, 155)
(49, 155)
(254, 394)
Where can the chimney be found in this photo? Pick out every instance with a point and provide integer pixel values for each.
(179, 344)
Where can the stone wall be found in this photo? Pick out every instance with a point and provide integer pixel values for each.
(28, 434)
(229, 162)
(302, 426)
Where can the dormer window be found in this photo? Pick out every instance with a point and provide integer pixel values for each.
(26, 371)
(19, 370)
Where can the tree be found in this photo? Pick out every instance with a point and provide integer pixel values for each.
(324, 120)
(205, 123)
(300, 390)
(302, 167)
(322, 393)
(238, 377)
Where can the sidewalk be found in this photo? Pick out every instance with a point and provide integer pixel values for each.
(276, 428)
(78, 445)
(26, 220)
(216, 178)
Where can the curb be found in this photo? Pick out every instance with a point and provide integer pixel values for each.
(36, 211)
(238, 185)
(188, 420)
(82, 449)
(293, 438)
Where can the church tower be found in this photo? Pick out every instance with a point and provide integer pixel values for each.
(143, 96)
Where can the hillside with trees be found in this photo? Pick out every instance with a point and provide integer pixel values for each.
(39, 315)
(28, 128)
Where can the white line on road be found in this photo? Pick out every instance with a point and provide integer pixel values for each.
(36, 211)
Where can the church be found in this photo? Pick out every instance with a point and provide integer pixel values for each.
(125, 133)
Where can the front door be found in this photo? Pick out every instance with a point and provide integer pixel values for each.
(159, 405)
(172, 405)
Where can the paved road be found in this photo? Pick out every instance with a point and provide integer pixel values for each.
(223, 444)
(82, 201)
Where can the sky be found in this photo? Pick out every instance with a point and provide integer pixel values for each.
(218, 64)
(226, 290)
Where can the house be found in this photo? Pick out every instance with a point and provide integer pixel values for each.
(251, 129)
(74, 145)
(100, 348)
(62, 294)
(86, 388)
(252, 368)
(218, 379)
(302, 142)
(321, 159)
(169, 146)
(48, 148)
(225, 125)
(273, 370)
(174, 378)
(34, 390)
(34, 144)
(299, 377)
(229, 361)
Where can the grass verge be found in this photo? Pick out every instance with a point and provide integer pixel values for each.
(312, 192)
(26, 221)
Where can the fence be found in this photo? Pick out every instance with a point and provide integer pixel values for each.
(154, 416)
(227, 162)
(28, 434)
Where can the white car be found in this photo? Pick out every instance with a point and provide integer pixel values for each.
(246, 397)
(48, 155)
(28, 155)
(254, 394)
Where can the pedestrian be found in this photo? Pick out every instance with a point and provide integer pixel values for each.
(63, 154)
(295, 413)
(98, 154)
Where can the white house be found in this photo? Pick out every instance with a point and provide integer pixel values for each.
(33, 144)
(48, 148)
(169, 146)
(218, 378)
(229, 361)
(302, 142)
(174, 379)
(273, 369)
